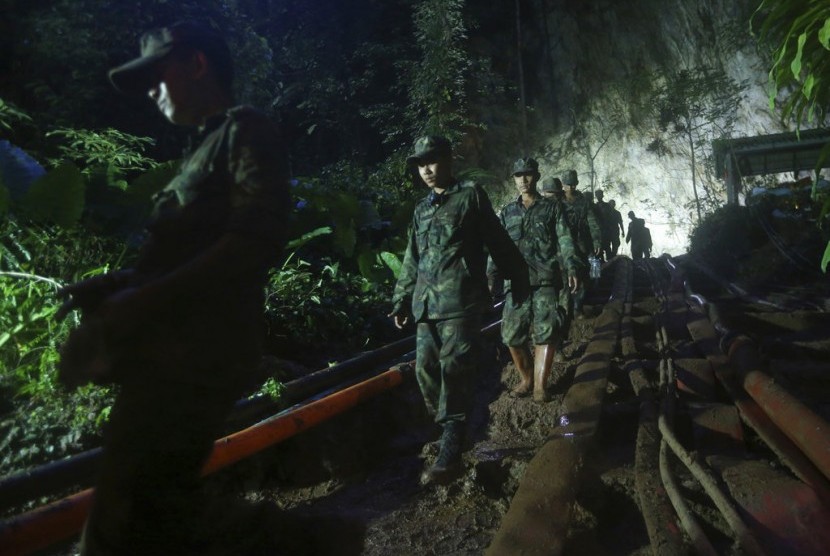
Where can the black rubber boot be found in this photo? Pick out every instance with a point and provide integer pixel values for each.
(447, 466)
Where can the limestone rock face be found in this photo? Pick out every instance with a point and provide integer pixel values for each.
(600, 65)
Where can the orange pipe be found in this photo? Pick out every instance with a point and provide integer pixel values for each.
(239, 445)
(63, 518)
(804, 427)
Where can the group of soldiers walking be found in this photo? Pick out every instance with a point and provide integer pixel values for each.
(181, 334)
(536, 252)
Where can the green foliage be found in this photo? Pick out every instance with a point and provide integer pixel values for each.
(39, 421)
(798, 32)
(343, 209)
(271, 388)
(313, 305)
(825, 259)
(57, 196)
(708, 240)
(109, 148)
(10, 115)
(437, 91)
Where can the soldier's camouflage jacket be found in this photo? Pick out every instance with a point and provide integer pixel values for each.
(584, 224)
(544, 239)
(234, 181)
(444, 268)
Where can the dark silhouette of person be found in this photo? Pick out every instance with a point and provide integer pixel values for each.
(639, 236)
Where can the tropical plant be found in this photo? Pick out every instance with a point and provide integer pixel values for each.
(10, 115)
(40, 421)
(437, 92)
(798, 31)
(798, 34)
(109, 148)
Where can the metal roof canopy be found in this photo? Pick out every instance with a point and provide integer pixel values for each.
(768, 154)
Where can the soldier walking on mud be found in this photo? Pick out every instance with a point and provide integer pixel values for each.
(537, 225)
(181, 330)
(586, 232)
(442, 286)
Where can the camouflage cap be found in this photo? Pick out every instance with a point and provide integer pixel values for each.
(525, 166)
(136, 76)
(550, 184)
(570, 178)
(429, 146)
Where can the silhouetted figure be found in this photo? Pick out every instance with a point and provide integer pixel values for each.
(639, 236)
(616, 228)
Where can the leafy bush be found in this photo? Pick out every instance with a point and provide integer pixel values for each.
(798, 32)
(725, 237)
(40, 421)
(321, 305)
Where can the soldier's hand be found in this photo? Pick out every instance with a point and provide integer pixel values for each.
(87, 294)
(519, 293)
(573, 283)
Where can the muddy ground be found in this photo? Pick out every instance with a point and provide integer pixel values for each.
(352, 486)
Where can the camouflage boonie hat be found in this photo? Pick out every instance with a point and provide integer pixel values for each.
(570, 178)
(525, 166)
(550, 184)
(429, 146)
(137, 76)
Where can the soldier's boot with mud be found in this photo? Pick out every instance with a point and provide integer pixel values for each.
(447, 466)
(524, 366)
(543, 358)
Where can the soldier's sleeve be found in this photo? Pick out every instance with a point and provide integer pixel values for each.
(402, 296)
(505, 254)
(258, 169)
(594, 228)
(493, 274)
(567, 251)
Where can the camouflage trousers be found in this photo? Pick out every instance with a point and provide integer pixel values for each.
(446, 364)
(540, 314)
(148, 497)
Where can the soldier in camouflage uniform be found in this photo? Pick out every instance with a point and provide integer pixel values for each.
(442, 286)
(587, 235)
(183, 328)
(551, 188)
(537, 225)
